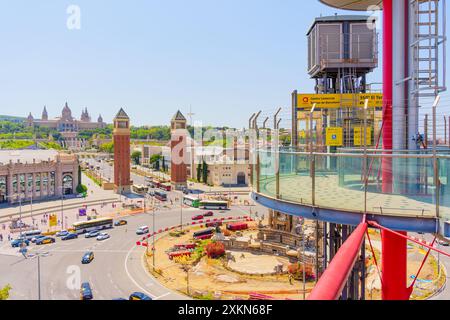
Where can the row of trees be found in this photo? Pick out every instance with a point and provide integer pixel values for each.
(14, 130)
(202, 172)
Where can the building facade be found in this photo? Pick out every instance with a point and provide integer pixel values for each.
(122, 153)
(28, 175)
(66, 122)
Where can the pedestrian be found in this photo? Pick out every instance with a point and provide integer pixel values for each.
(290, 279)
(1, 237)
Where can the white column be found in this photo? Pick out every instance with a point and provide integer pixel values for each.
(398, 67)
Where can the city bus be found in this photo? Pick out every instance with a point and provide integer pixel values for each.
(28, 235)
(214, 205)
(166, 186)
(191, 201)
(91, 225)
(204, 234)
(237, 226)
(161, 195)
(140, 189)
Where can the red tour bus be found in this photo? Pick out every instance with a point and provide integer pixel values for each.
(166, 186)
(179, 254)
(237, 226)
(189, 246)
(204, 234)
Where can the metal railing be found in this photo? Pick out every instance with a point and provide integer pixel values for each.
(353, 181)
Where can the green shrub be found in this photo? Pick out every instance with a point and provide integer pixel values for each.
(82, 188)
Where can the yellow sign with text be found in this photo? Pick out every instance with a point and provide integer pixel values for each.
(53, 220)
(334, 137)
(302, 134)
(334, 101)
(357, 138)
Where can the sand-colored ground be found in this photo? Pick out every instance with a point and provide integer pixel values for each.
(210, 279)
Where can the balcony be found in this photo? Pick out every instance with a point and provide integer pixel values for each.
(342, 187)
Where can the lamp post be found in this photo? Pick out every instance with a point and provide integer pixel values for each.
(303, 262)
(153, 246)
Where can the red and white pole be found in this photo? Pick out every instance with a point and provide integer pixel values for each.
(394, 248)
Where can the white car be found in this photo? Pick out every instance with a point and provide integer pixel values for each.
(103, 236)
(142, 230)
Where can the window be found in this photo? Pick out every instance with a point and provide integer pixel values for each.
(38, 182)
(52, 182)
(3, 191)
(45, 182)
(30, 184)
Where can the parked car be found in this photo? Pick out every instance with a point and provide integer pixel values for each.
(197, 217)
(120, 223)
(33, 240)
(444, 243)
(16, 243)
(139, 296)
(70, 236)
(87, 258)
(142, 230)
(45, 240)
(92, 234)
(208, 214)
(62, 233)
(103, 236)
(86, 291)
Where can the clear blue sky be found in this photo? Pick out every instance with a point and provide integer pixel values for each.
(226, 58)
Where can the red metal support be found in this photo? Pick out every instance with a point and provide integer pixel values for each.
(333, 280)
(394, 266)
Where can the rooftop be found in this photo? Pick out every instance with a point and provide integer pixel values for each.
(178, 116)
(357, 5)
(341, 18)
(122, 114)
(27, 156)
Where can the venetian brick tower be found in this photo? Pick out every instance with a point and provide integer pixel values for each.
(178, 145)
(121, 134)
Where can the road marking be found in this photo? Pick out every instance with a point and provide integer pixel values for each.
(162, 296)
(131, 278)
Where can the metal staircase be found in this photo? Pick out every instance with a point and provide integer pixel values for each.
(429, 47)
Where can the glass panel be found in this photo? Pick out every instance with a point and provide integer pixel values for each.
(413, 191)
(267, 181)
(295, 178)
(444, 194)
(339, 182)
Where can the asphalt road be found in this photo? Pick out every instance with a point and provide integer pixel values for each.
(116, 271)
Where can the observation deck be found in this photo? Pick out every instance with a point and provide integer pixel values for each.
(342, 187)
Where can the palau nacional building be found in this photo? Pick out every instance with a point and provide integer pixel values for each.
(29, 175)
(66, 122)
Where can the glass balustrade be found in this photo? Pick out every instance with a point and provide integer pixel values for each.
(353, 181)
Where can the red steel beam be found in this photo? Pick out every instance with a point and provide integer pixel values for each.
(333, 280)
(402, 235)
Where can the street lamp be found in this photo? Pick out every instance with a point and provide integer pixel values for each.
(153, 224)
(19, 195)
(303, 262)
(62, 205)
